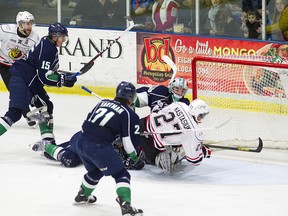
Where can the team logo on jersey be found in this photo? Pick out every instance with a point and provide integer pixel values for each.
(153, 66)
(15, 54)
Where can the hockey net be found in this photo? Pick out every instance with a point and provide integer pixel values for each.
(251, 89)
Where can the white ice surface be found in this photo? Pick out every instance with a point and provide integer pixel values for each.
(229, 183)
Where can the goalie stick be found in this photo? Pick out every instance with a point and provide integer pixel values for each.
(257, 150)
(169, 61)
(89, 65)
(187, 130)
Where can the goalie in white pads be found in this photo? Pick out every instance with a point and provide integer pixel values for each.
(176, 116)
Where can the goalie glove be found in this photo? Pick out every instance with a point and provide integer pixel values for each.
(206, 151)
(66, 80)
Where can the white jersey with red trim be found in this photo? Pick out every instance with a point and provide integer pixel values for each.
(14, 47)
(176, 117)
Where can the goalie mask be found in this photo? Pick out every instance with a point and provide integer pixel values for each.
(198, 109)
(126, 91)
(25, 22)
(178, 88)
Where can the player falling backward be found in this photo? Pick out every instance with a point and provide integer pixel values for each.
(16, 40)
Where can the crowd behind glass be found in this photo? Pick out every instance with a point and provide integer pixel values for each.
(232, 18)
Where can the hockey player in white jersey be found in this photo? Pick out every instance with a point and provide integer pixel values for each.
(15, 42)
(176, 116)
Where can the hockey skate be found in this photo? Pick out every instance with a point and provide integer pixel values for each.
(39, 145)
(127, 209)
(82, 199)
(31, 123)
(38, 115)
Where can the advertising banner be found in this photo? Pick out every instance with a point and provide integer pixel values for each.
(151, 69)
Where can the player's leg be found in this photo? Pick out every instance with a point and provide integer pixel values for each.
(147, 145)
(19, 96)
(5, 74)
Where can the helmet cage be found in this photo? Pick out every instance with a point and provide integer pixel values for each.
(178, 88)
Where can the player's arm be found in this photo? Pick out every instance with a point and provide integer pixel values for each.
(47, 66)
(131, 143)
(142, 97)
(195, 151)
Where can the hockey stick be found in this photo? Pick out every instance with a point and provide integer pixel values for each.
(91, 92)
(257, 150)
(169, 61)
(90, 64)
(187, 130)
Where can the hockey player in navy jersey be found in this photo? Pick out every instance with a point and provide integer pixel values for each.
(29, 75)
(108, 120)
(160, 96)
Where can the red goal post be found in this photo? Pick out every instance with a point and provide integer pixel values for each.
(251, 89)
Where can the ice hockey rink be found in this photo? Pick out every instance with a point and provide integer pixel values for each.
(229, 183)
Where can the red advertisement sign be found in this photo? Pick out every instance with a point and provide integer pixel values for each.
(182, 49)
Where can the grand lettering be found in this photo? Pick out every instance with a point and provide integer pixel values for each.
(90, 48)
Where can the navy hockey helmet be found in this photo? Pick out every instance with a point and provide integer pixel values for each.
(127, 91)
(57, 29)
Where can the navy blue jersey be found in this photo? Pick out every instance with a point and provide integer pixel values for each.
(109, 120)
(158, 97)
(41, 59)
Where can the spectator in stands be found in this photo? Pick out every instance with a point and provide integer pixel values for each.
(164, 14)
(253, 25)
(273, 28)
(91, 13)
(283, 23)
(140, 10)
(116, 14)
(248, 5)
(243, 27)
(186, 16)
(220, 20)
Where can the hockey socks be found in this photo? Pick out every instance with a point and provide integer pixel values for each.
(46, 131)
(5, 124)
(53, 150)
(123, 190)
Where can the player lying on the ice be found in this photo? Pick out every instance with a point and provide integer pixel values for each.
(66, 153)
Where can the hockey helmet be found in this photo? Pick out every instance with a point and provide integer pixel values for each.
(126, 90)
(198, 109)
(24, 16)
(57, 29)
(178, 88)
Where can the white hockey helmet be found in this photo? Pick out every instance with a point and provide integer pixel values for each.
(24, 16)
(198, 109)
(178, 88)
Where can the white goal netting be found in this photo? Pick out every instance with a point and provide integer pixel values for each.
(250, 90)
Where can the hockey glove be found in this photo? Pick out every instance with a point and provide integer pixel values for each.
(134, 165)
(206, 151)
(66, 80)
